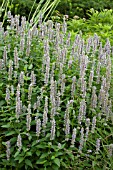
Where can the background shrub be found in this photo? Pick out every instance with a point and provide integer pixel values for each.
(80, 8)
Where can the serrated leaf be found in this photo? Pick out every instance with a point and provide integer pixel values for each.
(57, 161)
(28, 162)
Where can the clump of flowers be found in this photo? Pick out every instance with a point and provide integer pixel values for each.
(54, 89)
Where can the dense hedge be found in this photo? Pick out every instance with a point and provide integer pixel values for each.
(69, 7)
(81, 7)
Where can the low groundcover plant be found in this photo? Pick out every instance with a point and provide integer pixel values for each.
(56, 100)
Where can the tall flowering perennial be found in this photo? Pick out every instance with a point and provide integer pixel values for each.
(45, 115)
(87, 128)
(98, 72)
(28, 118)
(52, 129)
(28, 43)
(7, 98)
(33, 78)
(91, 77)
(110, 149)
(97, 145)
(8, 147)
(18, 102)
(38, 127)
(81, 140)
(82, 111)
(1, 64)
(73, 86)
(10, 72)
(5, 56)
(73, 137)
(19, 142)
(67, 122)
(63, 84)
(94, 98)
(93, 124)
(12, 90)
(72, 92)
(16, 58)
(30, 91)
(21, 78)
(58, 101)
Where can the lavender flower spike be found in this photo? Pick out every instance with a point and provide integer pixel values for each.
(19, 142)
(8, 150)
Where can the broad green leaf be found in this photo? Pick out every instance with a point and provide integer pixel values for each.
(21, 159)
(28, 162)
(57, 161)
(58, 154)
(5, 126)
(16, 154)
(38, 153)
(64, 164)
(2, 102)
(53, 157)
(28, 154)
(42, 146)
(55, 167)
(44, 155)
(30, 67)
(10, 133)
(41, 161)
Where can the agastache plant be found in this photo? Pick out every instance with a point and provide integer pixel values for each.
(55, 97)
(19, 142)
(8, 152)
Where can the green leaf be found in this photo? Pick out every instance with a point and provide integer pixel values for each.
(10, 133)
(30, 67)
(28, 154)
(57, 161)
(63, 164)
(38, 153)
(28, 162)
(55, 167)
(21, 159)
(58, 133)
(16, 154)
(44, 155)
(42, 146)
(58, 154)
(5, 126)
(2, 102)
(53, 157)
(41, 161)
